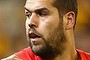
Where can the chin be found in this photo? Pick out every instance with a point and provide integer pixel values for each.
(38, 49)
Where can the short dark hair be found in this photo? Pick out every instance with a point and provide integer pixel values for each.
(66, 5)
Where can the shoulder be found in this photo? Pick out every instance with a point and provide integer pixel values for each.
(12, 57)
(19, 55)
(27, 54)
(24, 54)
(83, 54)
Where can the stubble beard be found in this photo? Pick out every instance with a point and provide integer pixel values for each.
(54, 44)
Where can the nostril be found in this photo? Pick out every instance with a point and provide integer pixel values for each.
(32, 25)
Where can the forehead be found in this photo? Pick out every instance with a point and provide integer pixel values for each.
(39, 1)
(34, 4)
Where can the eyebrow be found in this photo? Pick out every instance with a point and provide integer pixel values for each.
(37, 10)
(41, 9)
(27, 9)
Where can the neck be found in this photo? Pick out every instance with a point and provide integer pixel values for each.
(70, 52)
(67, 55)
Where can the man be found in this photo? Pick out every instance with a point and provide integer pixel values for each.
(50, 31)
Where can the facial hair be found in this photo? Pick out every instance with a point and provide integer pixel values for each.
(54, 44)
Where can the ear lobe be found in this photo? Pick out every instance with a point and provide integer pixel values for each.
(70, 17)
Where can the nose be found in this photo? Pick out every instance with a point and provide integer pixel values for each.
(33, 21)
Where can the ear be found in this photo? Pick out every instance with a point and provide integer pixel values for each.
(69, 20)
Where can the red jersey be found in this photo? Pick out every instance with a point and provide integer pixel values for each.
(27, 54)
(84, 55)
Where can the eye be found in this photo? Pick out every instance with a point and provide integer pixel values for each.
(28, 14)
(42, 13)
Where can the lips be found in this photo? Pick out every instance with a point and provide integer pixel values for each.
(33, 35)
(35, 38)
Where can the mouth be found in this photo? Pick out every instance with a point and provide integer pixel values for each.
(33, 35)
(35, 38)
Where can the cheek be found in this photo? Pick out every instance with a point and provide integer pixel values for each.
(47, 27)
(44, 29)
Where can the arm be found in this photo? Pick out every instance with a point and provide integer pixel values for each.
(12, 57)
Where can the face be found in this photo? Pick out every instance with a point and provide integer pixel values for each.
(44, 28)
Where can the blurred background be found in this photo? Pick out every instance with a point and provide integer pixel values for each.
(12, 26)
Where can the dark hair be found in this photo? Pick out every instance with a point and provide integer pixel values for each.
(65, 6)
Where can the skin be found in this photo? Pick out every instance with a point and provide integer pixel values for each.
(12, 57)
(56, 33)
(46, 26)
